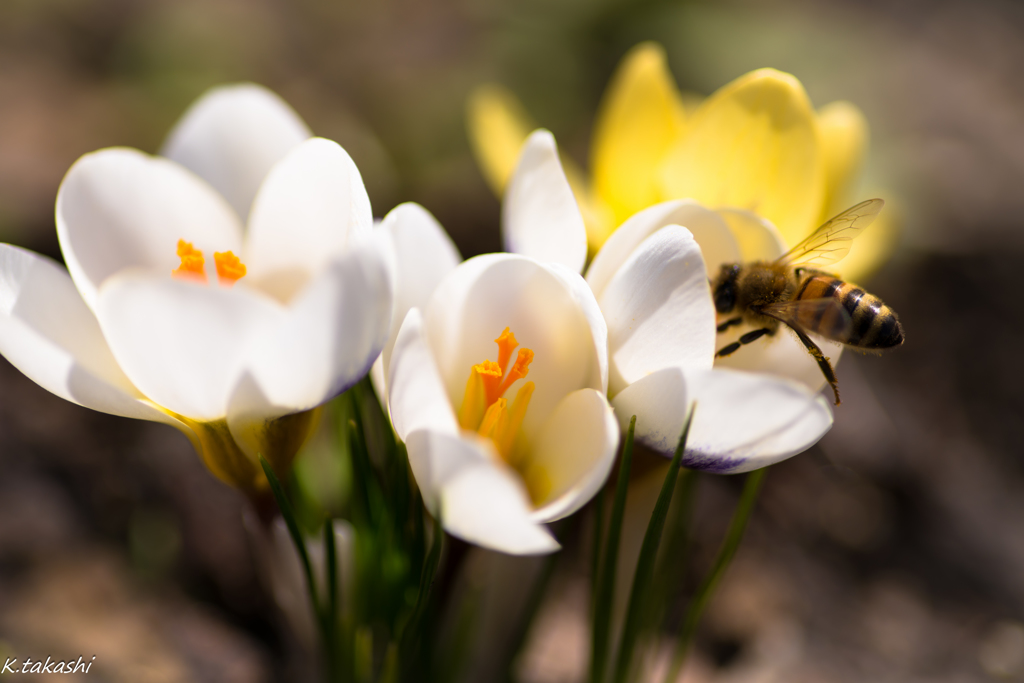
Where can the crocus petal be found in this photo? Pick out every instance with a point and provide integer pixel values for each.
(844, 141)
(758, 239)
(182, 343)
(717, 243)
(304, 214)
(479, 499)
(326, 340)
(573, 454)
(640, 118)
(120, 208)
(486, 294)
(782, 355)
(48, 333)
(416, 391)
(659, 309)
(540, 217)
(498, 125)
(591, 310)
(423, 254)
(753, 145)
(232, 136)
(743, 421)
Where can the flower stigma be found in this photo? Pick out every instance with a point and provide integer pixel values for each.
(485, 410)
(230, 268)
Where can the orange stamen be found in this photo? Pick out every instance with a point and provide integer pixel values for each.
(192, 262)
(230, 268)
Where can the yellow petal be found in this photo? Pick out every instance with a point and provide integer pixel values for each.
(497, 125)
(753, 145)
(640, 118)
(873, 246)
(844, 141)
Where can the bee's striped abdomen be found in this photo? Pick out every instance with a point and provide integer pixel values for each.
(870, 323)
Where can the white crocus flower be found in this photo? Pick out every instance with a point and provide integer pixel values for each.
(171, 311)
(652, 287)
(422, 254)
(498, 390)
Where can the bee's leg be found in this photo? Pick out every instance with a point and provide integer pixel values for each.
(826, 367)
(745, 339)
(738, 320)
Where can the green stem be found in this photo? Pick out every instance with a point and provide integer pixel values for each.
(606, 578)
(410, 640)
(533, 603)
(643, 578)
(331, 615)
(293, 529)
(595, 558)
(751, 487)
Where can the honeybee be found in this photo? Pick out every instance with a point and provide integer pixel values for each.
(792, 291)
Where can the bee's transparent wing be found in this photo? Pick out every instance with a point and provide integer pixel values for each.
(827, 317)
(831, 242)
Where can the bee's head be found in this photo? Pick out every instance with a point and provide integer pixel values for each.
(724, 287)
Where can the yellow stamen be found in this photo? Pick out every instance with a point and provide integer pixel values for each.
(505, 441)
(474, 404)
(495, 419)
(484, 408)
(507, 343)
(229, 267)
(192, 263)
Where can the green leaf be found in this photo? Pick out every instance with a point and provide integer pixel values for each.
(644, 575)
(738, 524)
(293, 529)
(606, 575)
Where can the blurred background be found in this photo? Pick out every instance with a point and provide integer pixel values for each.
(892, 551)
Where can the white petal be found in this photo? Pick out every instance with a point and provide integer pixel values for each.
(120, 208)
(232, 136)
(423, 254)
(712, 233)
(182, 343)
(574, 453)
(324, 343)
(486, 294)
(757, 238)
(660, 402)
(782, 355)
(478, 498)
(659, 309)
(416, 391)
(743, 421)
(540, 217)
(48, 333)
(304, 214)
(595, 318)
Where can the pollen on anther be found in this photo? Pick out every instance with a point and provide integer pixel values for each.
(192, 262)
(230, 268)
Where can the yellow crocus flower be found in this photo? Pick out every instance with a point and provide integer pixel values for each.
(756, 144)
